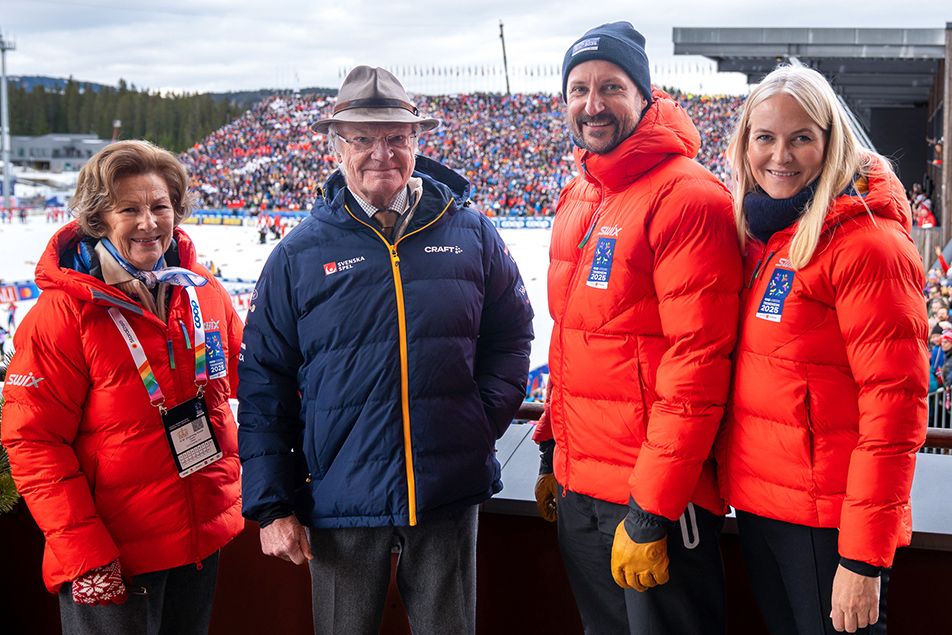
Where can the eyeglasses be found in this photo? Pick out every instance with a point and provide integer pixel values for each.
(393, 141)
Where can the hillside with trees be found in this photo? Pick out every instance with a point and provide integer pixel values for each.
(173, 121)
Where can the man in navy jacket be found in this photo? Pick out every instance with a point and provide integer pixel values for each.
(386, 351)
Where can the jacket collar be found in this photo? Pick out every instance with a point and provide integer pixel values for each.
(440, 186)
(56, 271)
(884, 197)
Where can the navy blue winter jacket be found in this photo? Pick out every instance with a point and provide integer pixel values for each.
(375, 379)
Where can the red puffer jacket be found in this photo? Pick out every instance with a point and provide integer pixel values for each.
(645, 313)
(89, 452)
(829, 399)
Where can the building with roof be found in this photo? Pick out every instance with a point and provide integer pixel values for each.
(55, 152)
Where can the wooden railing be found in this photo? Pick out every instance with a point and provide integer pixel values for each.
(935, 437)
(926, 240)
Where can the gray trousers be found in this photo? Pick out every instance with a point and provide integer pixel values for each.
(170, 602)
(436, 575)
(690, 603)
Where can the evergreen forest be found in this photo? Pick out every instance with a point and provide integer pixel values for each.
(172, 121)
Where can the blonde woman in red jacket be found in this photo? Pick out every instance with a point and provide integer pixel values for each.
(116, 419)
(828, 405)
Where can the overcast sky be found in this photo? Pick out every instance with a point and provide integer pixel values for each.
(220, 45)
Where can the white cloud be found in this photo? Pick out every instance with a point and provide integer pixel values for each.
(217, 45)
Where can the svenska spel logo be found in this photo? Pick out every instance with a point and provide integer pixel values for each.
(330, 268)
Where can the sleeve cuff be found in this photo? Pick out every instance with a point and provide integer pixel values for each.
(643, 526)
(269, 515)
(860, 567)
(546, 450)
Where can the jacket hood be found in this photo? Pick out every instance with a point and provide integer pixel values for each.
(665, 129)
(52, 273)
(437, 179)
(885, 197)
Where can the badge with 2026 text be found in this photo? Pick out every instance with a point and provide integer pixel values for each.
(601, 269)
(778, 288)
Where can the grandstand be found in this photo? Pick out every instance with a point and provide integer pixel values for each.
(513, 149)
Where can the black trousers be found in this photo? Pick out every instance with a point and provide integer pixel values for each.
(171, 602)
(791, 569)
(692, 601)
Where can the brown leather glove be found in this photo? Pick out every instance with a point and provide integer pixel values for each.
(546, 495)
(638, 566)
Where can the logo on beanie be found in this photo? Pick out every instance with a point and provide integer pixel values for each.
(588, 44)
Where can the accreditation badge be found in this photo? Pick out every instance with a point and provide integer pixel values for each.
(217, 364)
(190, 436)
(778, 288)
(601, 269)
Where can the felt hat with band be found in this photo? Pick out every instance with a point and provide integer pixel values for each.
(374, 95)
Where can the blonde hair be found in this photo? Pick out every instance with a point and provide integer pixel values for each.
(843, 157)
(95, 187)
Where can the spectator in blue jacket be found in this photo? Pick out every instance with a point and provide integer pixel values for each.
(936, 359)
(386, 351)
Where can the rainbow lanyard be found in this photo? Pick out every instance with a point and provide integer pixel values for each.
(156, 398)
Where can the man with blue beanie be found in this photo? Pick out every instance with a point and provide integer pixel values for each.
(643, 288)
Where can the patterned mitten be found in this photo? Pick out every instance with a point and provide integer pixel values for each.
(102, 585)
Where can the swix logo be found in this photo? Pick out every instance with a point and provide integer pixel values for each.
(212, 325)
(443, 249)
(342, 265)
(785, 263)
(29, 381)
(607, 230)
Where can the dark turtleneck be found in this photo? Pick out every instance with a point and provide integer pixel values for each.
(766, 216)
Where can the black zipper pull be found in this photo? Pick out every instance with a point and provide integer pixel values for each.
(753, 274)
(766, 262)
(760, 269)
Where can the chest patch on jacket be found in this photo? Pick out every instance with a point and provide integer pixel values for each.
(342, 265)
(771, 305)
(601, 269)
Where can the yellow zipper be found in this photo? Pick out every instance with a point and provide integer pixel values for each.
(404, 354)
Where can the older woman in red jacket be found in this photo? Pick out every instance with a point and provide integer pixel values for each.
(116, 419)
(829, 398)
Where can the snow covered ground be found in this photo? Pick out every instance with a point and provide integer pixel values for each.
(237, 252)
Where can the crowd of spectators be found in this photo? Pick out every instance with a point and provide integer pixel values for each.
(266, 159)
(921, 205)
(715, 118)
(937, 292)
(514, 150)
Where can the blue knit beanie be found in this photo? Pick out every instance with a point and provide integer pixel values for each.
(618, 43)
